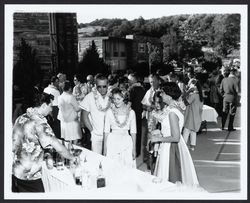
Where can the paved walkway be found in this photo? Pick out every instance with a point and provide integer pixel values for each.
(216, 158)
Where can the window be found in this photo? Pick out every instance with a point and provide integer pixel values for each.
(123, 54)
(141, 47)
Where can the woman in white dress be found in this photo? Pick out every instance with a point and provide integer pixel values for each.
(68, 108)
(120, 130)
(174, 162)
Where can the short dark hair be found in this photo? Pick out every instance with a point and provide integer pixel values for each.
(157, 94)
(123, 94)
(100, 76)
(154, 75)
(112, 79)
(67, 86)
(43, 98)
(172, 89)
(78, 77)
(122, 80)
(53, 79)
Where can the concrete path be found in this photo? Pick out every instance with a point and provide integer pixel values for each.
(216, 158)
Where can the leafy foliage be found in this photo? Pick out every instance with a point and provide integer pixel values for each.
(27, 72)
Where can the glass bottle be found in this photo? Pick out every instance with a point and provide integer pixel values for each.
(85, 174)
(78, 173)
(100, 178)
(59, 162)
(49, 160)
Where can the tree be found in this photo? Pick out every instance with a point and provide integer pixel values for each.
(139, 25)
(27, 72)
(211, 62)
(155, 58)
(91, 63)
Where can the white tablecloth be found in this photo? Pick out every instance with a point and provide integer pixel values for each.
(119, 179)
(209, 114)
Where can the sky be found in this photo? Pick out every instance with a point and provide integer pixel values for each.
(87, 13)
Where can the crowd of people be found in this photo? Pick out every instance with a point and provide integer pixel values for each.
(121, 118)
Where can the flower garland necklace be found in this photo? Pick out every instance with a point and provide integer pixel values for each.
(97, 103)
(160, 114)
(115, 113)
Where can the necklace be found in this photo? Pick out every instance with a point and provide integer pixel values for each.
(97, 103)
(161, 114)
(115, 113)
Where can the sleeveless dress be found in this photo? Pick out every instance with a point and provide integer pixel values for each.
(70, 125)
(174, 162)
(119, 141)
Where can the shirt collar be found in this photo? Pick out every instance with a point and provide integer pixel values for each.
(232, 76)
(52, 86)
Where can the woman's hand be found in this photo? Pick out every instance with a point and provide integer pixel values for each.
(155, 132)
(156, 138)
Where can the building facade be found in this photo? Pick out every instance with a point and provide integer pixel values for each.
(114, 51)
(53, 36)
(120, 53)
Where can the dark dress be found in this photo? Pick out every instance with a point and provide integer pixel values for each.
(136, 94)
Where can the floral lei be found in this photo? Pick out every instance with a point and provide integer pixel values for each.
(98, 105)
(115, 113)
(161, 114)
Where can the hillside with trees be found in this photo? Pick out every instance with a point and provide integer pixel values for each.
(183, 36)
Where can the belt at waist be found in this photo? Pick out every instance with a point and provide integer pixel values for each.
(123, 131)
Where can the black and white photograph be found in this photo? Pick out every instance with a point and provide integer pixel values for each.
(125, 101)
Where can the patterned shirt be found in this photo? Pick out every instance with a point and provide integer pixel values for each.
(31, 135)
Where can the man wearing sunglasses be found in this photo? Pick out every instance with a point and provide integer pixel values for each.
(95, 106)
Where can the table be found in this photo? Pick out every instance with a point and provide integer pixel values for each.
(209, 114)
(119, 179)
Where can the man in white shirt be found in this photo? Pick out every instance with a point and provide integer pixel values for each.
(95, 105)
(53, 90)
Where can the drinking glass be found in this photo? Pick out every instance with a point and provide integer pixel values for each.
(59, 162)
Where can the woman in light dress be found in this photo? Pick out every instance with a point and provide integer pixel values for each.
(174, 162)
(120, 130)
(68, 109)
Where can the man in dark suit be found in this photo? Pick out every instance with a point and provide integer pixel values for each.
(229, 89)
(136, 94)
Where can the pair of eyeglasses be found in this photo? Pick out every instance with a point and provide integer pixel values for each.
(102, 86)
